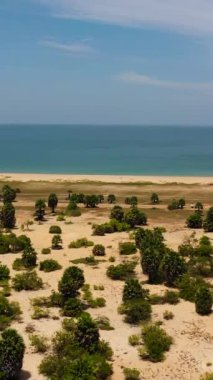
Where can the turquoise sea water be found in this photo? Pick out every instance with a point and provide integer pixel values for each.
(106, 150)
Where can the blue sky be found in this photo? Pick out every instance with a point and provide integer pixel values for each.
(106, 61)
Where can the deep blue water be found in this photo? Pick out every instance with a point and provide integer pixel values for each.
(106, 150)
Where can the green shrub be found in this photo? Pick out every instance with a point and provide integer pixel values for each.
(39, 313)
(27, 281)
(49, 265)
(208, 223)
(98, 250)
(172, 267)
(29, 257)
(72, 280)
(156, 342)
(60, 218)
(133, 290)
(168, 315)
(11, 354)
(56, 242)
(194, 221)
(207, 376)
(203, 301)
(18, 265)
(73, 307)
(134, 340)
(131, 374)
(83, 242)
(189, 285)
(55, 230)
(103, 323)
(4, 272)
(8, 312)
(121, 271)
(98, 230)
(137, 311)
(46, 251)
(127, 248)
(87, 334)
(39, 343)
(171, 297)
(73, 209)
(135, 217)
(117, 213)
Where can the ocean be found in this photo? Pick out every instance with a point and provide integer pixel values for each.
(86, 149)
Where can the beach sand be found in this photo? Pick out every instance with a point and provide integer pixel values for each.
(191, 351)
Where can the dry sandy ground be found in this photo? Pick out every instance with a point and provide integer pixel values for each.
(193, 335)
(104, 178)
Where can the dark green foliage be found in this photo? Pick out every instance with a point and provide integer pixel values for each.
(194, 221)
(8, 194)
(98, 250)
(203, 301)
(154, 199)
(111, 198)
(4, 245)
(72, 280)
(73, 307)
(49, 265)
(181, 203)
(8, 312)
(150, 239)
(189, 285)
(121, 271)
(46, 251)
(11, 354)
(151, 262)
(131, 374)
(132, 201)
(40, 206)
(4, 272)
(137, 311)
(133, 290)
(91, 201)
(117, 213)
(29, 257)
(77, 198)
(156, 342)
(208, 223)
(52, 201)
(55, 230)
(7, 216)
(127, 248)
(99, 230)
(27, 281)
(172, 267)
(135, 217)
(171, 297)
(175, 205)
(56, 242)
(87, 334)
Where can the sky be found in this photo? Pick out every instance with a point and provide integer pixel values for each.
(106, 62)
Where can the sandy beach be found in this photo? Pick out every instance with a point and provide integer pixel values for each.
(25, 177)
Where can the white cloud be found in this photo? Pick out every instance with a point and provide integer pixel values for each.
(185, 16)
(143, 80)
(74, 48)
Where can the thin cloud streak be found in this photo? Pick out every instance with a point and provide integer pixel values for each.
(184, 16)
(143, 80)
(74, 48)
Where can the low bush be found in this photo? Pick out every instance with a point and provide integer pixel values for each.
(127, 248)
(46, 251)
(133, 290)
(131, 374)
(137, 311)
(134, 340)
(55, 230)
(73, 209)
(39, 343)
(9, 311)
(121, 271)
(73, 307)
(203, 301)
(98, 250)
(156, 342)
(39, 313)
(27, 281)
(189, 285)
(11, 354)
(207, 376)
(18, 265)
(4, 272)
(56, 242)
(60, 218)
(103, 323)
(168, 315)
(83, 242)
(49, 265)
(171, 297)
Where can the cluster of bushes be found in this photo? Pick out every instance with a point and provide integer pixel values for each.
(78, 352)
(10, 243)
(121, 271)
(8, 312)
(177, 204)
(132, 201)
(196, 220)
(83, 242)
(27, 281)
(136, 305)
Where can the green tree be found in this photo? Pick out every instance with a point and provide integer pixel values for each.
(91, 201)
(72, 280)
(56, 242)
(40, 206)
(135, 217)
(11, 354)
(199, 207)
(194, 221)
(133, 290)
(9, 194)
(181, 203)
(208, 223)
(52, 201)
(29, 257)
(133, 201)
(150, 262)
(172, 266)
(117, 213)
(111, 198)
(7, 216)
(87, 334)
(154, 199)
(203, 301)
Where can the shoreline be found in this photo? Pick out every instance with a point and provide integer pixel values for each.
(119, 179)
